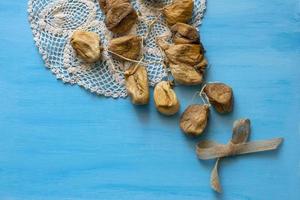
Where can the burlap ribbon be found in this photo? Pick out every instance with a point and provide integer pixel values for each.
(237, 145)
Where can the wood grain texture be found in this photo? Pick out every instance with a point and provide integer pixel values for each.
(61, 142)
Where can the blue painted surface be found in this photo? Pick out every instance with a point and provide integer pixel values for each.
(60, 142)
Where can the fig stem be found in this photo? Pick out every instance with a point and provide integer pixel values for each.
(203, 96)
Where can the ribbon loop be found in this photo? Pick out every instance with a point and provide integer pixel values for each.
(241, 131)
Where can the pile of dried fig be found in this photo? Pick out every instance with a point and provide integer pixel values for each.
(87, 45)
(165, 98)
(136, 79)
(186, 61)
(184, 57)
(187, 64)
(120, 15)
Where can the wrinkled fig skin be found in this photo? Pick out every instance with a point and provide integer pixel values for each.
(194, 119)
(184, 34)
(128, 46)
(220, 96)
(183, 59)
(120, 15)
(186, 61)
(190, 54)
(165, 98)
(137, 84)
(185, 74)
(179, 11)
(202, 65)
(126, 24)
(105, 5)
(87, 45)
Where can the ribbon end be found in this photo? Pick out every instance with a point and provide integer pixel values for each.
(278, 141)
(214, 178)
(216, 187)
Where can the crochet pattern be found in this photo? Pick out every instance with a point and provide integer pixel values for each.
(54, 21)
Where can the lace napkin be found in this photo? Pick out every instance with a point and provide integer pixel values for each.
(54, 21)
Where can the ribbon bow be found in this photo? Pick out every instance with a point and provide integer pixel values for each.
(237, 145)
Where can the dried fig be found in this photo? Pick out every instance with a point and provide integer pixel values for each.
(186, 61)
(137, 84)
(105, 5)
(184, 34)
(194, 119)
(128, 46)
(87, 45)
(202, 65)
(120, 15)
(190, 54)
(185, 74)
(220, 96)
(179, 11)
(165, 98)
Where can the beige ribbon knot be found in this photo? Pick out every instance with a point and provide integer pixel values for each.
(238, 145)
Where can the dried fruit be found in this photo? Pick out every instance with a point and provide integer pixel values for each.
(194, 119)
(105, 5)
(186, 63)
(87, 45)
(137, 84)
(120, 15)
(184, 34)
(202, 65)
(179, 11)
(165, 98)
(190, 54)
(185, 74)
(220, 96)
(128, 46)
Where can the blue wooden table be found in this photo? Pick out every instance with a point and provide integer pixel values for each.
(60, 142)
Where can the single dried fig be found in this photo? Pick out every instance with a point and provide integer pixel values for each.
(165, 98)
(120, 15)
(137, 84)
(87, 45)
(194, 119)
(179, 11)
(220, 96)
(190, 54)
(128, 46)
(185, 74)
(184, 34)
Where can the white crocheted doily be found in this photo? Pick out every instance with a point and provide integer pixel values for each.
(53, 22)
